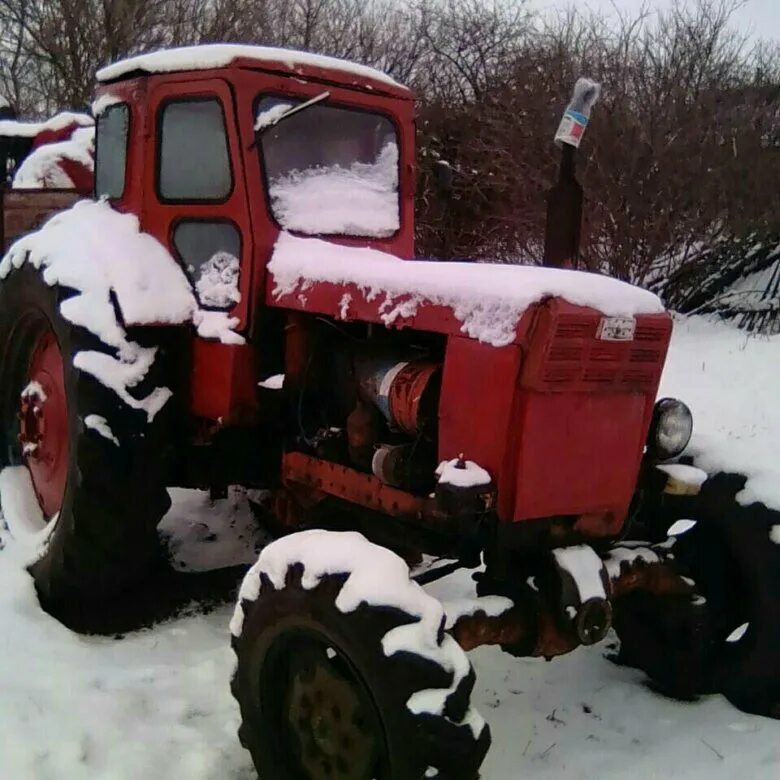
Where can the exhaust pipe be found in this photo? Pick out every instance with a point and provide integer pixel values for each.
(564, 201)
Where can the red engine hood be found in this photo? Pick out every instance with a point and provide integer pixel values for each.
(560, 419)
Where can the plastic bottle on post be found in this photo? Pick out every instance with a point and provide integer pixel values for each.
(575, 117)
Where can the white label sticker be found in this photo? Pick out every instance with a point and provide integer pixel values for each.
(617, 328)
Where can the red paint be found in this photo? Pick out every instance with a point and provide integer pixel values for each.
(53, 136)
(560, 420)
(354, 486)
(577, 453)
(140, 155)
(475, 412)
(336, 77)
(44, 424)
(82, 177)
(567, 356)
(325, 298)
(406, 395)
(237, 87)
(223, 384)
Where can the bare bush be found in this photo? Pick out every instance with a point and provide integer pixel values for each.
(680, 154)
(677, 154)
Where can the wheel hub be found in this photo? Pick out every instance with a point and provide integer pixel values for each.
(43, 423)
(326, 715)
(32, 426)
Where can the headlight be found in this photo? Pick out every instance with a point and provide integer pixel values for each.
(671, 428)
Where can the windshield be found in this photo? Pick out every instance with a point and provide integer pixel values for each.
(329, 170)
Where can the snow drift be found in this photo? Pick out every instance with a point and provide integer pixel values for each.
(729, 379)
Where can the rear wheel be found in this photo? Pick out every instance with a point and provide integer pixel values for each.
(324, 692)
(82, 480)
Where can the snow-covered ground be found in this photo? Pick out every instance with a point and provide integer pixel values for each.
(730, 380)
(155, 703)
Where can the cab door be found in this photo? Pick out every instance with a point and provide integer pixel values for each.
(196, 202)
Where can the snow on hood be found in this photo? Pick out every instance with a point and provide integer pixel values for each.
(12, 128)
(487, 299)
(41, 169)
(217, 55)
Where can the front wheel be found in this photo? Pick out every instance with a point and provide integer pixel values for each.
(344, 671)
(727, 638)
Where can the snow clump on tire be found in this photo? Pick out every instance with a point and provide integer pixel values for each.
(379, 578)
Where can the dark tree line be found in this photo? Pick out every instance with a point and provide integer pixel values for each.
(683, 150)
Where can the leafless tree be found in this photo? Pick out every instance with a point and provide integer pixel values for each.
(680, 153)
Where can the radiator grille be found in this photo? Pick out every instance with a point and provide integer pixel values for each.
(576, 358)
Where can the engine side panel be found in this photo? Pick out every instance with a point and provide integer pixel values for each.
(559, 419)
(578, 454)
(476, 409)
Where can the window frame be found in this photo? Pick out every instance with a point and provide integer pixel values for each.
(163, 105)
(203, 219)
(330, 104)
(120, 104)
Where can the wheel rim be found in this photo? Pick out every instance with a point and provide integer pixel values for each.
(325, 723)
(42, 414)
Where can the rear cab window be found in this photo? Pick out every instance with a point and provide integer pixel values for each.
(111, 137)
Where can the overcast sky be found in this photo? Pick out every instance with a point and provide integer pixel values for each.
(759, 18)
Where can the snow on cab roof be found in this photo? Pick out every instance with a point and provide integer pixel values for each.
(218, 55)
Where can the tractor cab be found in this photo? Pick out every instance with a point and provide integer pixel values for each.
(219, 148)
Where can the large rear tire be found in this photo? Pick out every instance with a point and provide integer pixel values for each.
(325, 692)
(91, 466)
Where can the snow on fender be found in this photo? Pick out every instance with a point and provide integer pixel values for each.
(106, 257)
(101, 253)
(418, 675)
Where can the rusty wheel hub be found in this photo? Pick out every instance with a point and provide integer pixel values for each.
(31, 423)
(327, 715)
(43, 423)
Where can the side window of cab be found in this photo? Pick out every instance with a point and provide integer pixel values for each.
(111, 136)
(194, 169)
(194, 162)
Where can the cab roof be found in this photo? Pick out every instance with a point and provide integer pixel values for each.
(220, 55)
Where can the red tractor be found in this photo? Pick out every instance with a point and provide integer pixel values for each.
(241, 306)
